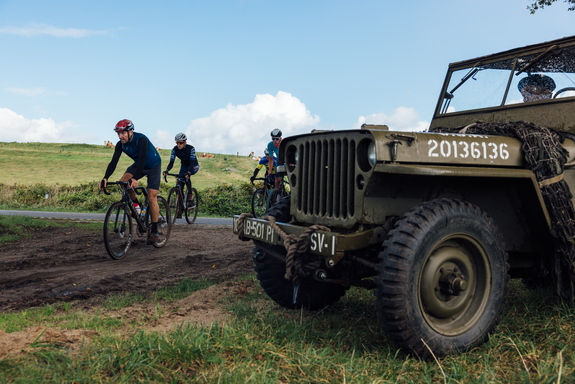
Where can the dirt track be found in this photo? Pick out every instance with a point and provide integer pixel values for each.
(63, 264)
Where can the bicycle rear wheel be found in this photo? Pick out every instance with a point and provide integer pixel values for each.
(259, 200)
(174, 204)
(164, 223)
(191, 206)
(117, 231)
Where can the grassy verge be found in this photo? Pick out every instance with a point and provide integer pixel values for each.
(263, 343)
(223, 200)
(16, 228)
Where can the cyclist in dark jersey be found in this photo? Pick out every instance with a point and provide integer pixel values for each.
(147, 163)
(189, 163)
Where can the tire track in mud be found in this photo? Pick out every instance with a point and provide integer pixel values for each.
(67, 264)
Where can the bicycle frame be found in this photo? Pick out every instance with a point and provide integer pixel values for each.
(129, 203)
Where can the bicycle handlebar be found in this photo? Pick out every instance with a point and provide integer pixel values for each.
(138, 190)
(172, 174)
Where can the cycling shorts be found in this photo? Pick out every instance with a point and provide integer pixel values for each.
(154, 175)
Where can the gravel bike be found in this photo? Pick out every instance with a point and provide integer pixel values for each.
(118, 221)
(260, 198)
(278, 193)
(177, 199)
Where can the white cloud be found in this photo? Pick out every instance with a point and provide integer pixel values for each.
(14, 127)
(27, 91)
(31, 30)
(246, 127)
(402, 119)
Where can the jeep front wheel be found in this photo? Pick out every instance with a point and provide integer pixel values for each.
(442, 278)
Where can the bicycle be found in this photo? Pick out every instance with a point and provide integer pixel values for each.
(118, 221)
(278, 193)
(260, 198)
(177, 199)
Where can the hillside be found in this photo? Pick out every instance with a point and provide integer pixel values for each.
(75, 164)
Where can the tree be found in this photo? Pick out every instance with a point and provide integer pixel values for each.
(540, 4)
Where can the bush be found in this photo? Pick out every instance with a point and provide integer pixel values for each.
(226, 200)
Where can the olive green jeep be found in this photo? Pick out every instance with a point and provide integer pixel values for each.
(436, 222)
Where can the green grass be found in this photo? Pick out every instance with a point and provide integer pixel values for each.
(266, 344)
(42, 163)
(16, 228)
(222, 181)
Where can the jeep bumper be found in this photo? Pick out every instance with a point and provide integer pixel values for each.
(331, 245)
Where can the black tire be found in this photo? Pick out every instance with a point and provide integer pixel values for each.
(281, 210)
(117, 231)
(191, 211)
(259, 202)
(174, 204)
(164, 223)
(311, 295)
(270, 271)
(437, 246)
(275, 196)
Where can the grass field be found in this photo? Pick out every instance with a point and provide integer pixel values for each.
(262, 343)
(75, 164)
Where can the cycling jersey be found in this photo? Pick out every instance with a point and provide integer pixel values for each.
(188, 157)
(141, 150)
(264, 163)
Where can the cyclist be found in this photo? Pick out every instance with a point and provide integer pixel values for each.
(189, 163)
(147, 162)
(273, 149)
(264, 162)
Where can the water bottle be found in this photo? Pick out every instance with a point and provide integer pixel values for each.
(137, 208)
(144, 212)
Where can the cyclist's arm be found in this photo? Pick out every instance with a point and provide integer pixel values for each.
(193, 162)
(172, 158)
(112, 166)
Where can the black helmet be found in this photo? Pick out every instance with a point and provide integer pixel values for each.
(537, 80)
(276, 133)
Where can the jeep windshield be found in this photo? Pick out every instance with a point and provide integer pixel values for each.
(494, 81)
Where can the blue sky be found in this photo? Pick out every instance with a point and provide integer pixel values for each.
(226, 72)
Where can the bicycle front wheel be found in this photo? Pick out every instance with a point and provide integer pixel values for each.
(117, 231)
(174, 204)
(191, 207)
(164, 223)
(259, 200)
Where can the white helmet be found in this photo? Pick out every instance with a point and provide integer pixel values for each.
(181, 137)
(266, 152)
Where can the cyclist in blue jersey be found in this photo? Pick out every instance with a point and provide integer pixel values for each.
(147, 163)
(264, 162)
(189, 163)
(273, 149)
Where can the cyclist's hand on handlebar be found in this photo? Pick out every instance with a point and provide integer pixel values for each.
(133, 184)
(102, 184)
(252, 179)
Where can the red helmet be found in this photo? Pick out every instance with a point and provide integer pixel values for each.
(124, 125)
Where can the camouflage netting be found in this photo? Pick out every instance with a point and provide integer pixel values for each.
(546, 157)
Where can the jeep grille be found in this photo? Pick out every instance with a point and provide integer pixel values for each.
(326, 170)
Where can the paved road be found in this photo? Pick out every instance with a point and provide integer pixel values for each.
(100, 216)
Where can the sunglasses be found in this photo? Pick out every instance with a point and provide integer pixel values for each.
(275, 138)
(180, 142)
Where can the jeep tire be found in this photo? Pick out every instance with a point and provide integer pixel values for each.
(270, 271)
(442, 280)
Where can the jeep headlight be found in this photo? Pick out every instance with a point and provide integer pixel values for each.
(371, 155)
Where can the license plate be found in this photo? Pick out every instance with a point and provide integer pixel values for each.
(320, 242)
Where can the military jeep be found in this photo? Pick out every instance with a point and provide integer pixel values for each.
(436, 222)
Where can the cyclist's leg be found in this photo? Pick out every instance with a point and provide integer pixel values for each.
(154, 176)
